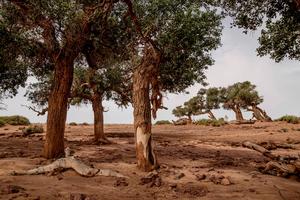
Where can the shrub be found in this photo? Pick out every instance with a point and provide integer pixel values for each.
(33, 129)
(289, 119)
(210, 122)
(84, 124)
(15, 120)
(161, 122)
(73, 124)
(2, 123)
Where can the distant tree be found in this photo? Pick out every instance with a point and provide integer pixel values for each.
(242, 95)
(172, 52)
(191, 107)
(93, 85)
(279, 22)
(231, 101)
(250, 100)
(211, 100)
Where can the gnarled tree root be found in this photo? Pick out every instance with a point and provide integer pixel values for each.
(279, 165)
(70, 163)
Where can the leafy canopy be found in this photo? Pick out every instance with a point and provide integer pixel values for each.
(279, 22)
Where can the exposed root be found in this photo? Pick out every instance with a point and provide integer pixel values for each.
(70, 163)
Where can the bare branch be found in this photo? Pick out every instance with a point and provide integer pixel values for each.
(42, 112)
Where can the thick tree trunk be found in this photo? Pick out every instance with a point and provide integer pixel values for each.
(142, 120)
(256, 114)
(57, 108)
(99, 135)
(267, 118)
(211, 115)
(238, 114)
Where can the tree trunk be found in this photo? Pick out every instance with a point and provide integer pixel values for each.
(99, 135)
(256, 114)
(190, 119)
(267, 118)
(238, 114)
(142, 120)
(57, 108)
(211, 115)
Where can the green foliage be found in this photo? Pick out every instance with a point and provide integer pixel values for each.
(210, 122)
(289, 119)
(73, 124)
(211, 98)
(2, 123)
(241, 94)
(33, 129)
(280, 22)
(189, 108)
(15, 120)
(185, 32)
(162, 122)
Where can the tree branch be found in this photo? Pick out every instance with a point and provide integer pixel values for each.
(43, 112)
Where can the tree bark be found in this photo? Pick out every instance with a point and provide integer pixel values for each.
(146, 159)
(99, 135)
(211, 115)
(238, 114)
(57, 108)
(267, 118)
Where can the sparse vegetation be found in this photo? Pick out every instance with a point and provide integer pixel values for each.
(2, 123)
(289, 119)
(15, 120)
(33, 129)
(84, 124)
(210, 122)
(73, 124)
(161, 122)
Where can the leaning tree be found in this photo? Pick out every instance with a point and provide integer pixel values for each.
(230, 98)
(250, 99)
(172, 48)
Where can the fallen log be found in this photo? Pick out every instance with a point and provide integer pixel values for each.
(279, 165)
(69, 162)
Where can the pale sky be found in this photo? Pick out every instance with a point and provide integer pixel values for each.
(235, 61)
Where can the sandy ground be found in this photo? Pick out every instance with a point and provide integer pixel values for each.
(185, 153)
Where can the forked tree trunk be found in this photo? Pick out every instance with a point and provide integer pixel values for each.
(98, 118)
(57, 108)
(238, 114)
(211, 115)
(146, 159)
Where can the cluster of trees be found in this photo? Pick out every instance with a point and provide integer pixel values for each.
(241, 95)
(128, 51)
(87, 51)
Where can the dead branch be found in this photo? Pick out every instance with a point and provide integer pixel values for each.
(279, 165)
(69, 162)
(42, 112)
